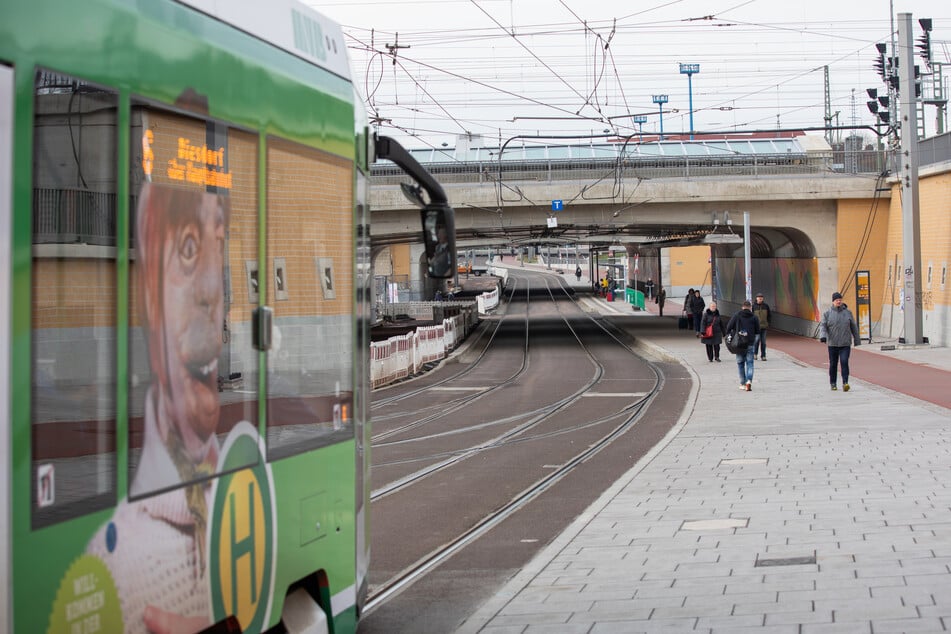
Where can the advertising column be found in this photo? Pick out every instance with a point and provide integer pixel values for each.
(863, 305)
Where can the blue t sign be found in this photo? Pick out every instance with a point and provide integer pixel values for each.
(557, 205)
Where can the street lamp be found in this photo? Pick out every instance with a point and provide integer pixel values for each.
(660, 100)
(640, 120)
(689, 70)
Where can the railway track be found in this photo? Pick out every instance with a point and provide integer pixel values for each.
(425, 440)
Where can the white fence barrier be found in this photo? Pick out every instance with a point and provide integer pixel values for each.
(404, 355)
(488, 301)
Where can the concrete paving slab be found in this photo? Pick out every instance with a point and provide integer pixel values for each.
(856, 479)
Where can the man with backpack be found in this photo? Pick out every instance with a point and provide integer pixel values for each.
(741, 337)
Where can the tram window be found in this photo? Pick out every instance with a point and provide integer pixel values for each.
(310, 367)
(192, 368)
(73, 299)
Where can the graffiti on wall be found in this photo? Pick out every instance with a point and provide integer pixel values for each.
(790, 285)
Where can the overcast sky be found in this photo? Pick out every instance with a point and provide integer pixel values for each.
(500, 68)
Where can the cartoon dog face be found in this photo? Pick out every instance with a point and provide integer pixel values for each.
(181, 235)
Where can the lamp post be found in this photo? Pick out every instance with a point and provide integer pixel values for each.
(640, 120)
(689, 70)
(660, 100)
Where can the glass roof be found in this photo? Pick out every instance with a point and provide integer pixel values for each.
(594, 151)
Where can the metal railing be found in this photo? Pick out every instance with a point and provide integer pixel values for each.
(936, 149)
(68, 216)
(747, 165)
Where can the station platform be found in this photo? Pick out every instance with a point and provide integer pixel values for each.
(790, 508)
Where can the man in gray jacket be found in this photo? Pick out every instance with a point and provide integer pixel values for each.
(838, 330)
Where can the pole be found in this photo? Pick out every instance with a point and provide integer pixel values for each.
(661, 108)
(690, 101)
(911, 226)
(746, 256)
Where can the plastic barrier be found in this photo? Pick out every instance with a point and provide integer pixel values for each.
(635, 298)
(488, 301)
(402, 356)
(430, 343)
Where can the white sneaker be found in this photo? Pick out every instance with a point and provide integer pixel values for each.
(743, 386)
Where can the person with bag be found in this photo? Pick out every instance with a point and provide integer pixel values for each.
(685, 322)
(578, 272)
(712, 331)
(838, 329)
(741, 332)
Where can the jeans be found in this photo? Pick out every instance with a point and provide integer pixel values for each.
(759, 346)
(839, 354)
(697, 318)
(744, 364)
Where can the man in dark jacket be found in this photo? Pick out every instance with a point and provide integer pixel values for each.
(744, 322)
(762, 312)
(838, 329)
(696, 309)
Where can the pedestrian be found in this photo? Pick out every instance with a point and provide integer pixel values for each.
(712, 332)
(578, 272)
(741, 332)
(687, 314)
(661, 298)
(762, 312)
(838, 329)
(696, 309)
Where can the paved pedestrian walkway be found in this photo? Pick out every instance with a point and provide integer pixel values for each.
(790, 508)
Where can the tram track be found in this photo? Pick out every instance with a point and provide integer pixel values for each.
(623, 420)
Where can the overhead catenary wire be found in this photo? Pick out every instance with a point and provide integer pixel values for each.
(478, 88)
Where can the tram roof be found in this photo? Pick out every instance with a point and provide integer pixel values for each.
(525, 151)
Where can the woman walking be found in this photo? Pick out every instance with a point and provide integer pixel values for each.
(711, 329)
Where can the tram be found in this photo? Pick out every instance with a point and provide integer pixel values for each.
(185, 291)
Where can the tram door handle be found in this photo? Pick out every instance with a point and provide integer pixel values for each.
(262, 320)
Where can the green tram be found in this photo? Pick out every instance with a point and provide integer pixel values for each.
(185, 297)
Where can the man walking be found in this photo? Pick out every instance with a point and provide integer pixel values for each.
(743, 328)
(838, 329)
(696, 309)
(762, 312)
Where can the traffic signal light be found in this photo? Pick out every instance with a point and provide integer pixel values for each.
(917, 81)
(880, 62)
(924, 42)
(872, 106)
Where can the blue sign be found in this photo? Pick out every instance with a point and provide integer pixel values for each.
(557, 205)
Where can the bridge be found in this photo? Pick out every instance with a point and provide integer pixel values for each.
(649, 196)
(663, 194)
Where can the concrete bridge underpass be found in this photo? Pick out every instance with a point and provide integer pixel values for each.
(794, 221)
